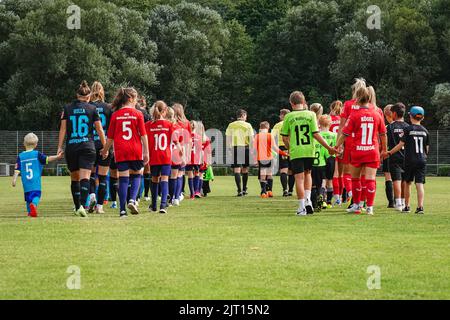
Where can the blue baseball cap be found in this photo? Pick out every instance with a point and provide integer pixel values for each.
(417, 111)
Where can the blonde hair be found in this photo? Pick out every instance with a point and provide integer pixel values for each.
(170, 116)
(264, 125)
(336, 108)
(123, 96)
(179, 112)
(372, 96)
(30, 140)
(297, 98)
(158, 109)
(201, 130)
(362, 96)
(284, 112)
(98, 93)
(387, 111)
(325, 121)
(317, 109)
(359, 83)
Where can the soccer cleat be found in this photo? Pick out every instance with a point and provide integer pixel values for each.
(270, 194)
(152, 209)
(420, 211)
(92, 204)
(245, 193)
(302, 213)
(369, 211)
(192, 197)
(81, 212)
(264, 196)
(123, 215)
(398, 208)
(147, 199)
(391, 206)
(162, 211)
(99, 210)
(133, 208)
(309, 209)
(290, 194)
(285, 194)
(406, 210)
(176, 203)
(33, 211)
(354, 209)
(240, 194)
(198, 195)
(113, 205)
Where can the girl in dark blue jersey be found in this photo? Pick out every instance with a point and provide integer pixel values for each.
(77, 122)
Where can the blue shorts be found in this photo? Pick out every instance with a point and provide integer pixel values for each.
(29, 196)
(176, 167)
(163, 170)
(130, 165)
(193, 167)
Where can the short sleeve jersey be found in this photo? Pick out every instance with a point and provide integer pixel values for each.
(80, 118)
(264, 143)
(417, 141)
(335, 122)
(331, 139)
(365, 125)
(276, 133)
(240, 132)
(126, 129)
(196, 150)
(395, 132)
(30, 165)
(300, 127)
(160, 135)
(104, 111)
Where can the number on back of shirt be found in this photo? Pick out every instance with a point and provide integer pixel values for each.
(126, 129)
(29, 170)
(80, 126)
(419, 144)
(160, 142)
(302, 135)
(367, 134)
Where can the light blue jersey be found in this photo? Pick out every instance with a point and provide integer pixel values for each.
(30, 164)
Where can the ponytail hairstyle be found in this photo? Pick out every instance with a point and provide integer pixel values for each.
(359, 83)
(179, 113)
(317, 109)
(336, 108)
(362, 96)
(159, 108)
(83, 90)
(201, 131)
(372, 96)
(98, 93)
(123, 96)
(170, 116)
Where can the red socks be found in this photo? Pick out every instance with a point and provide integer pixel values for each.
(337, 191)
(357, 188)
(371, 192)
(348, 183)
(364, 189)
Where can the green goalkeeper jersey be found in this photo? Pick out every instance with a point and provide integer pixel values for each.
(300, 127)
(322, 154)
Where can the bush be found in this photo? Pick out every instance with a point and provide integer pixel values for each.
(444, 171)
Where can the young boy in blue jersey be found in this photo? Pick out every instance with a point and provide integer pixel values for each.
(29, 165)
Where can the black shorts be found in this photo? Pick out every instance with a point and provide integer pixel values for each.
(192, 167)
(99, 161)
(329, 169)
(113, 164)
(136, 165)
(241, 157)
(397, 171)
(318, 174)
(415, 172)
(386, 166)
(301, 165)
(284, 162)
(265, 164)
(80, 159)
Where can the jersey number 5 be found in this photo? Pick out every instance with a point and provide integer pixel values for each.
(29, 171)
(304, 130)
(126, 128)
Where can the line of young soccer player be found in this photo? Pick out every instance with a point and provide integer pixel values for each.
(330, 159)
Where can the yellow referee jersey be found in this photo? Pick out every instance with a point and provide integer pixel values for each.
(240, 133)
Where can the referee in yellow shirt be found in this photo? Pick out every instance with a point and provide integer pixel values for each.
(284, 162)
(239, 139)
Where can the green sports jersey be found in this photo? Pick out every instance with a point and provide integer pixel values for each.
(322, 154)
(331, 139)
(300, 127)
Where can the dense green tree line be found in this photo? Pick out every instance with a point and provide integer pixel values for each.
(215, 56)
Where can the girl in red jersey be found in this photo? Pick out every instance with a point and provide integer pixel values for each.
(205, 158)
(127, 133)
(177, 159)
(160, 138)
(345, 158)
(192, 169)
(366, 127)
(185, 134)
(338, 177)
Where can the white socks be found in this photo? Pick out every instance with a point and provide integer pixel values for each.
(308, 196)
(301, 205)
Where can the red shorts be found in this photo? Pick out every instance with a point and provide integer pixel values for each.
(373, 165)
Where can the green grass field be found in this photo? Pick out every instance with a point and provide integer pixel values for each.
(223, 248)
